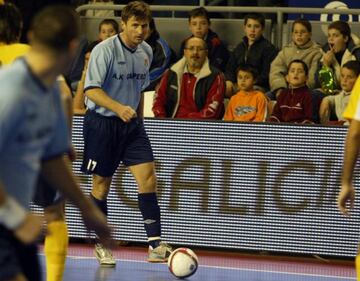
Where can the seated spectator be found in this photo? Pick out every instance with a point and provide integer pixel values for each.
(341, 47)
(199, 24)
(294, 104)
(10, 32)
(79, 107)
(332, 107)
(254, 49)
(163, 55)
(191, 88)
(107, 28)
(300, 48)
(248, 104)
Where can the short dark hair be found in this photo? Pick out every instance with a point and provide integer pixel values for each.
(55, 27)
(112, 22)
(304, 22)
(255, 16)
(10, 23)
(353, 65)
(199, 12)
(248, 68)
(188, 39)
(306, 68)
(138, 9)
(342, 26)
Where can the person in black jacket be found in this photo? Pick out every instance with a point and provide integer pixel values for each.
(199, 24)
(163, 55)
(255, 50)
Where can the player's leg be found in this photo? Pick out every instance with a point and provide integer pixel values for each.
(145, 178)
(100, 159)
(56, 241)
(139, 159)
(99, 193)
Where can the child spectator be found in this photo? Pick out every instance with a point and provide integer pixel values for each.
(248, 104)
(294, 104)
(199, 24)
(300, 48)
(107, 28)
(163, 55)
(79, 98)
(333, 106)
(341, 47)
(255, 50)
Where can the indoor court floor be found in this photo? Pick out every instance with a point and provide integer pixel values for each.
(213, 266)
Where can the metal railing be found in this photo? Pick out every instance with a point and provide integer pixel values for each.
(278, 11)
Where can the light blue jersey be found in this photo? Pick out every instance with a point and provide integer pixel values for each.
(32, 128)
(121, 72)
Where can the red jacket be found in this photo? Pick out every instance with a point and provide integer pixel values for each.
(293, 106)
(208, 92)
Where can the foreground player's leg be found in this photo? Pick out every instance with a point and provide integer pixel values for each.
(99, 193)
(56, 242)
(145, 177)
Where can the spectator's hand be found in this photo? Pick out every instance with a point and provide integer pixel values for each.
(126, 113)
(346, 195)
(328, 58)
(30, 230)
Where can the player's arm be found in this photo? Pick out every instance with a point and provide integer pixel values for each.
(352, 147)
(99, 97)
(26, 227)
(58, 174)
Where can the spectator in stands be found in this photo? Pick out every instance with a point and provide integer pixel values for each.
(248, 104)
(302, 47)
(107, 28)
(254, 49)
(199, 24)
(333, 106)
(79, 107)
(294, 104)
(163, 55)
(191, 88)
(341, 47)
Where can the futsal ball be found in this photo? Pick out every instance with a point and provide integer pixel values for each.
(183, 262)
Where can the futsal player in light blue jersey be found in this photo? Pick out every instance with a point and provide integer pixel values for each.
(118, 72)
(33, 139)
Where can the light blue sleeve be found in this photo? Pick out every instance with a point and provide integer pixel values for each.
(149, 53)
(12, 113)
(60, 141)
(98, 67)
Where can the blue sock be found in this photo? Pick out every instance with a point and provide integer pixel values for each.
(102, 204)
(150, 211)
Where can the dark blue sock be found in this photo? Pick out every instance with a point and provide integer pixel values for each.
(150, 211)
(102, 204)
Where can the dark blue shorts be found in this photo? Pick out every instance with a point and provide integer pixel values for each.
(45, 195)
(109, 141)
(16, 258)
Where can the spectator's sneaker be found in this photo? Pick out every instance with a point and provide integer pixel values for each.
(104, 256)
(160, 253)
